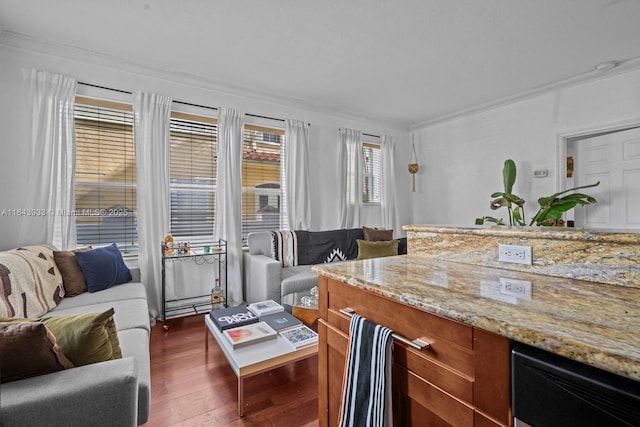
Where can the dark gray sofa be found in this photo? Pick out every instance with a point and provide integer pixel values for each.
(266, 278)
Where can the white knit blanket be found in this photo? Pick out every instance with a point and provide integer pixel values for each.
(284, 247)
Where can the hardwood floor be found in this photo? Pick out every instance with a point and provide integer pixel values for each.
(191, 387)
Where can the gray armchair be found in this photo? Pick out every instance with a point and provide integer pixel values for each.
(266, 278)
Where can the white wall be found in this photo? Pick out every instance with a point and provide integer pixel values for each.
(14, 162)
(461, 159)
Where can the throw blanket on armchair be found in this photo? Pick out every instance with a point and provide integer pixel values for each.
(284, 247)
(315, 247)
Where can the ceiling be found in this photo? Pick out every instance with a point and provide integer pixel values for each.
(406, 62)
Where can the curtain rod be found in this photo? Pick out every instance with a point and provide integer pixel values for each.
(181, 102)
(364, 134)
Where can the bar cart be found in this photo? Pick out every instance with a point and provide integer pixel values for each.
(210, 253)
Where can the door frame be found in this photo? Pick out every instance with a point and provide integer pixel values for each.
(563, 136)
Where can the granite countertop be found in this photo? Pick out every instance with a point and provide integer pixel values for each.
(594, 323)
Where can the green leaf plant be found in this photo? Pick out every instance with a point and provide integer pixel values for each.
(551, 208)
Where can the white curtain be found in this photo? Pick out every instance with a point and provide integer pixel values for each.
(388, 176)
(228, 214)
(151, 136)
(296, 175)
(50, 191)
(350, 187)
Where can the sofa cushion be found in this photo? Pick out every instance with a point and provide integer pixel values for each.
(99, 395)
(125, 291)
(298, 279)
(28, 349)
(129, 314)
(30, 282)
(379, 249)
(103, 267)
(374, 234)
(86, 338)
(72, 277)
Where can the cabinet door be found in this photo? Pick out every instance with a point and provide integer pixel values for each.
(331, 359)
(492, 391)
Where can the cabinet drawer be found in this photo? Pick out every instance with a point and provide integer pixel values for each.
(453, 382)
(451, 341)
(415, 396)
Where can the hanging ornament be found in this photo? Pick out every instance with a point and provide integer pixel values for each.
(413, 162)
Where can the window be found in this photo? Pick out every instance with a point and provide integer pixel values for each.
(105, 176)
(192, 176)
(371, 172)
(262, 207)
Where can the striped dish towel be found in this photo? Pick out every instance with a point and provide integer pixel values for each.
(366, 388)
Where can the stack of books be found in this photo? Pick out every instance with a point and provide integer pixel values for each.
(232, 317)
(300, 336)
(249, 334)
(264, 308)
(260, 321)
(288, 326)
(281, 321)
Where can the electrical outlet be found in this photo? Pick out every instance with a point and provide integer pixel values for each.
(515, 288)
(515, 254)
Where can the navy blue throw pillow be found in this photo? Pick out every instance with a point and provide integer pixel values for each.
(103, 267)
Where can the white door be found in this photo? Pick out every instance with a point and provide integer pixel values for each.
(614, 160)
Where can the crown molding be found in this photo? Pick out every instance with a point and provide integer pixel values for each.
(621, 67)
(75, 53)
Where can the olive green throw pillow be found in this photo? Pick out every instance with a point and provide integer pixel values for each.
(86, 338)
(379, 249)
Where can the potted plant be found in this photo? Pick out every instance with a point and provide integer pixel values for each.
(551, 207)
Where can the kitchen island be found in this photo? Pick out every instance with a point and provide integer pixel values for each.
(473, 310)
(593, 323)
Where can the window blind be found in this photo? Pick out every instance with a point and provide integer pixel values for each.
(105, 177)
(371, 172)
(193, 177)
(262, 202)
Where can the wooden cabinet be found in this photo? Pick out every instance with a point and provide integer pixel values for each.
(462, 379)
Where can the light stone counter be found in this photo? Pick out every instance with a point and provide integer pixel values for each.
(601, 256)
(594, 323)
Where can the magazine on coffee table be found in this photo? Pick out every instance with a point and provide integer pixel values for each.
(249, 334)
(300, 336)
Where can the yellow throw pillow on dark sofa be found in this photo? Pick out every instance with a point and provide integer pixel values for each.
(379, 249)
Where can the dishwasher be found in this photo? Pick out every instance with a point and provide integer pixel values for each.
(549, 390)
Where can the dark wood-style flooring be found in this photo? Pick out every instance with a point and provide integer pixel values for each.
(190, 387)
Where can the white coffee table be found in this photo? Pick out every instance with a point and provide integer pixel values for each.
(256, 358)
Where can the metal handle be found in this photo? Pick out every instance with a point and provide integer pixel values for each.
(417, 343)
